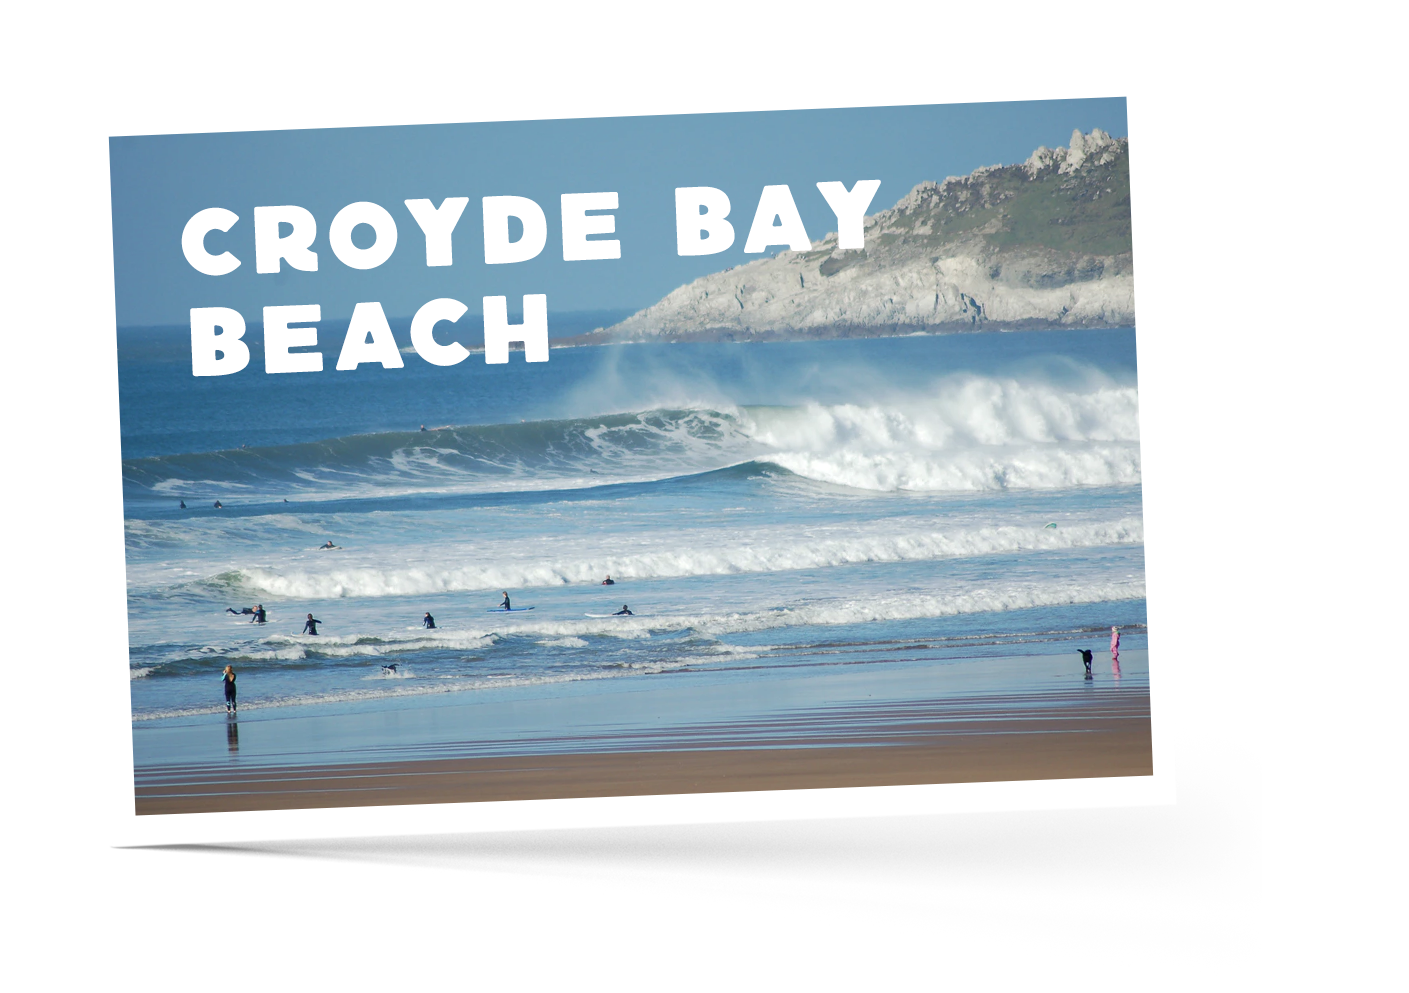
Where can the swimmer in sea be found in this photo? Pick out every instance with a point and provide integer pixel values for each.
(239, 613)
(218, 506)
(624, 610)
(328, 545)
(310, 626)
(183, 504)
(428, 621)
(505, 604)
(258, 617)
(609, 581)
(228, 678)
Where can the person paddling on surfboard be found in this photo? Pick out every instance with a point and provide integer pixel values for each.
(258, 617)
(505, 604)
(624, 610)
(310, 626)
(609, 581)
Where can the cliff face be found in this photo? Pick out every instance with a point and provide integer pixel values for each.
(1038, 245)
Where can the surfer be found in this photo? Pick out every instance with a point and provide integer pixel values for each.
(390, 668)
(609, 581)
(183, 504)
(310, 626)
(428, 621)
(241, 612)
(1086, 660)
(423, 427)
(228, 678)
(218, 506)
(624, 610)
(323, 548)
(505, 604)
(258, 617)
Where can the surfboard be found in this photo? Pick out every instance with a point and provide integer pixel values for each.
(632, 614)
(501, 610)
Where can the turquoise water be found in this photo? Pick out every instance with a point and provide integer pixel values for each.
(775, 515)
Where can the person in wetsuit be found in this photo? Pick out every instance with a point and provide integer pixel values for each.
(1086, 660)
(428, 621)
(505, 604)
(241, 612)
(624, 610)
(609, 581)
(228, 678)
(310, 626)
(218, 506)
(328, 545)
(183, 504)
(258, 617)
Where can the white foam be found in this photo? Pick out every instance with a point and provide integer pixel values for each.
(684, 553)
(964, 432)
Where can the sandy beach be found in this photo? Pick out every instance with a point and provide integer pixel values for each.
(1106, 737)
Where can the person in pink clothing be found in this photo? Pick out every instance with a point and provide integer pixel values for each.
(1115, 650)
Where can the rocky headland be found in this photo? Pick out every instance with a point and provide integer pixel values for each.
(1041, 244)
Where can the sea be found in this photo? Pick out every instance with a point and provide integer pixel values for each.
(803, 533)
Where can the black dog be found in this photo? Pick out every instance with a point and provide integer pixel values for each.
(1086, 660)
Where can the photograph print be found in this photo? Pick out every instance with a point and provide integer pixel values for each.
(631, 456)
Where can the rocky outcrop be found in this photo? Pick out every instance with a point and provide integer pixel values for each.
(1038, 245)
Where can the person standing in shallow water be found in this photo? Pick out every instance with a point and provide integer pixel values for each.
(428, 621)
(310, 626)
(1115, 645)
(228, 678)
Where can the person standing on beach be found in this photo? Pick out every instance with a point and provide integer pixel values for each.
(1115, 645)
(310, 626)
(428, 621)
(228, 678)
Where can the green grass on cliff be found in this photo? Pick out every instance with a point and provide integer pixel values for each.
(1085, 213)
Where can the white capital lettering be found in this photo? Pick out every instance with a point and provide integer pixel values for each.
(374, 216)
(279, 338)
(700, 225)
(369, 339)
(193, 241)
(498, 249)
(438, 223)
(577, 225)
(423, 332)
(850, 208)
(533, 332)
(216, 348)
(777, 222)
(270, 247)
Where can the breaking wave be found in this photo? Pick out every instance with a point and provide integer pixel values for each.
(966, 433)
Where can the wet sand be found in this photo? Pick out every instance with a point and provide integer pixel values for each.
(1075, 742)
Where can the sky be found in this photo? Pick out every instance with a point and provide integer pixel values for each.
(159, 182)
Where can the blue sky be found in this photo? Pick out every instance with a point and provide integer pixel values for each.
(158, 182)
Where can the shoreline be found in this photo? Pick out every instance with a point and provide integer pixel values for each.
(1081, 742)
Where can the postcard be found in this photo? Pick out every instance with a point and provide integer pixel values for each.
(628, 457)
